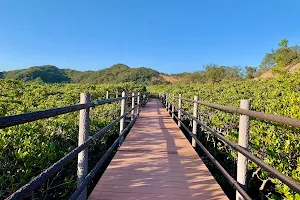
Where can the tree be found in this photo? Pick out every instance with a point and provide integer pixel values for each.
(283, 56)
(215, 73)
(267, 63)
(38, 80)
(251, 72)
(283, 43)
(232, 73)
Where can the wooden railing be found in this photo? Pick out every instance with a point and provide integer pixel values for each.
(241, 147)
(137, 100)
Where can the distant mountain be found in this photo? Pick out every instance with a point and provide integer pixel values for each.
(282, 61)
(115, 74)
(47, 73)
(121, 73)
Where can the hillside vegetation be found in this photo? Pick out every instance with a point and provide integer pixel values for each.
(288, 69)
(285, 59)
(47, 74)
(121, 73)
(118, 73)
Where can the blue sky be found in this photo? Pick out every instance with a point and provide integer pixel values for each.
(167, 35)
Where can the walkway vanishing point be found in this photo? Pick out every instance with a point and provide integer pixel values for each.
(156, 161)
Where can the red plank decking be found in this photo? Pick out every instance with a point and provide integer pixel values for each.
(156, 161)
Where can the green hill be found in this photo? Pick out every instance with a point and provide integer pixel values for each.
(118, 73)
(46, 73)
(121, 73)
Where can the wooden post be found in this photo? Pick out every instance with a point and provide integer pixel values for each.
(122, 121)
(117, 95)
(169, 103)
(195, 114)
(144, 99)
(82, 166)
(132, 106)
(167, 107)
(242, 161)
(138, 102)
(173, 108)
(107, 95)
(179, 111)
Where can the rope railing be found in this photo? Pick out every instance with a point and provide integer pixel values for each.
(259, 115)
(36, 182)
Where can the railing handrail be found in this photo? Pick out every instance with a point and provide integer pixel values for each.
(285, 179)
(38, 180)
(259, 115)
(232, 181)
(7, 121)
(120, 94)
(35, 183)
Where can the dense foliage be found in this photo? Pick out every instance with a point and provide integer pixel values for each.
(213, 73)
(26, 150)
(276, 144)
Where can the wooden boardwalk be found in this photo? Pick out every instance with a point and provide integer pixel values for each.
(156, 161)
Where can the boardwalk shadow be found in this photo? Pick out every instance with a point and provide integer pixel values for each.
(156, 162)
